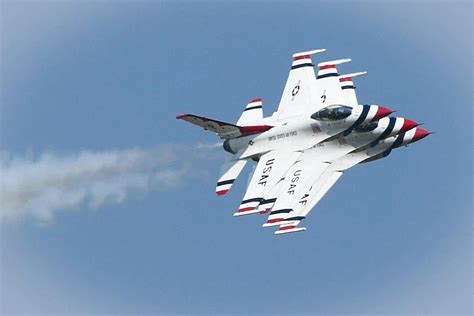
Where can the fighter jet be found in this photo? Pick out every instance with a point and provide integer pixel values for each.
(318, 131)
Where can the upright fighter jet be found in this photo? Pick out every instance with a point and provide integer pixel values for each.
(318, 131)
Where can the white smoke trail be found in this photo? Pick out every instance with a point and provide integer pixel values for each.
(42, 186)
(208, 145)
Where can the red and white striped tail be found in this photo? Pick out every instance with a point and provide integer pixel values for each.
(232, 170)
(276, 217)
(303, 59)
(248, 206)
(266, 205)
(328, 68)
(346, 80)
(224, 186)
(346, 83)
(252, 114)
(254, 104)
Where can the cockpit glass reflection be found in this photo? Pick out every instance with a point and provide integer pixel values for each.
(332, 113)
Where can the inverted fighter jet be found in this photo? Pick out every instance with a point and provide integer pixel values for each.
(318, 131)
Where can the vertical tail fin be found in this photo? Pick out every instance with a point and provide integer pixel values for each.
(231, 171)
(253, 113)
(348, 87)
(328, 82)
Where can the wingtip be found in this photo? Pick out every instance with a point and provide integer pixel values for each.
(273, 222)
(354, 74)
(309, 52)
(180, 116)
(334, 62)
(246, 211)
(289, 229)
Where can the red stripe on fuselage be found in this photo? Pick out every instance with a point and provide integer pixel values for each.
(249, 130)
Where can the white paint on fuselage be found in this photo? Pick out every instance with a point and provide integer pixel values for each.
(296, 133)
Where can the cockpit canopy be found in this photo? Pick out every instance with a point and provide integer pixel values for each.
(367, 127)
(332, 113)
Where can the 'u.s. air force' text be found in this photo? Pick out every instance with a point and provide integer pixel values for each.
(283, 135)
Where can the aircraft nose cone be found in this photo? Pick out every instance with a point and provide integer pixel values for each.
(382, 112)
(419, 134)
(408, 125)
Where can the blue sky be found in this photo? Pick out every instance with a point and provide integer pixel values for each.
(393, 237)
